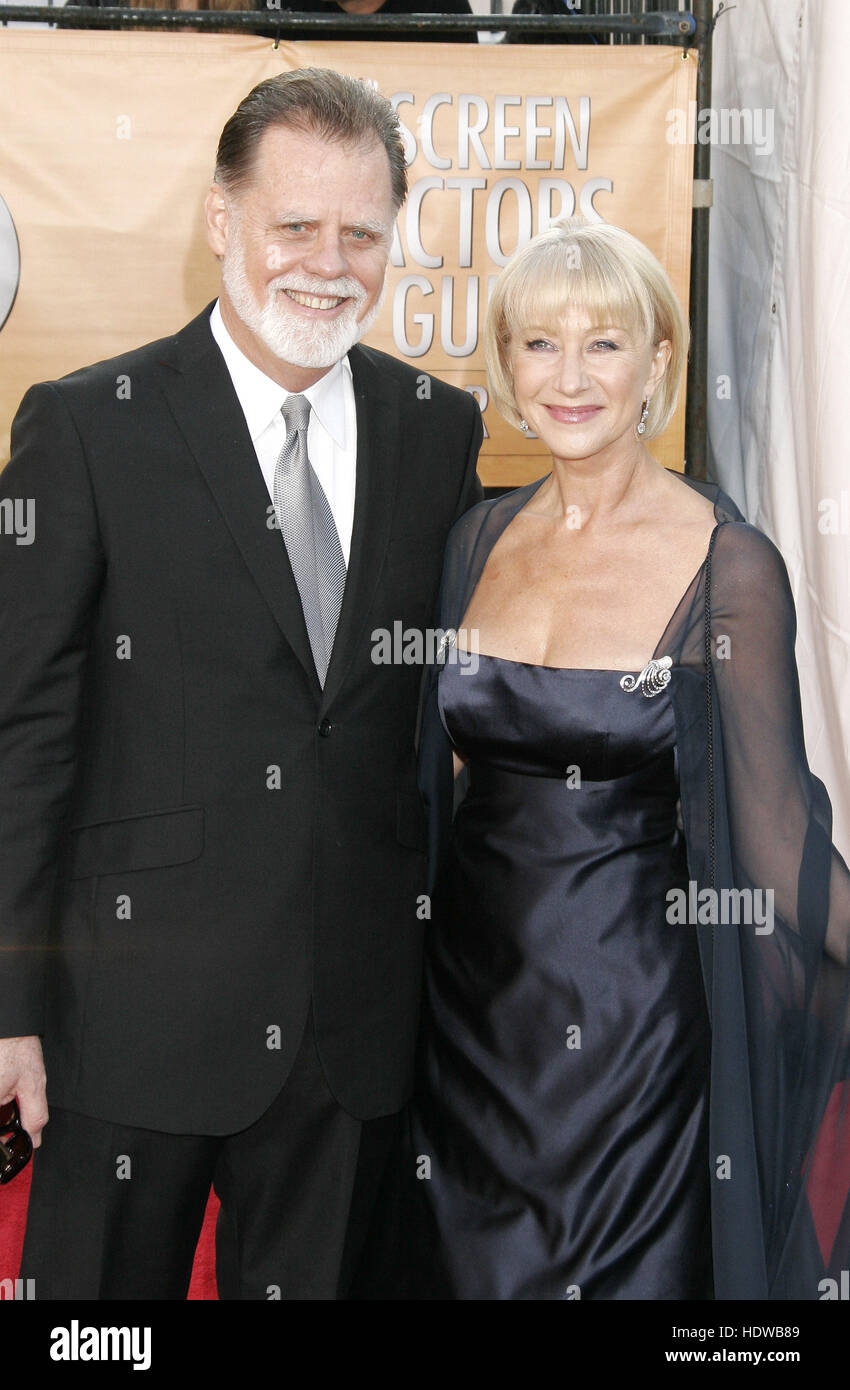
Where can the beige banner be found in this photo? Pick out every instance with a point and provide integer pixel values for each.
(107, 146)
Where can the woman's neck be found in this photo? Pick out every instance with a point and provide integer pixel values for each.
(596, 489)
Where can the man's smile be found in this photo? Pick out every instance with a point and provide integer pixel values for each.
(315, 301)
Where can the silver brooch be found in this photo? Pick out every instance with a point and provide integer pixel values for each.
(447, 640)
(652, 679)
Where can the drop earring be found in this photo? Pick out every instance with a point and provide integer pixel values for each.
(641, 428)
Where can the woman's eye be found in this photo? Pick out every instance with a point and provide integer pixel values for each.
(535, 344)
(605, 343)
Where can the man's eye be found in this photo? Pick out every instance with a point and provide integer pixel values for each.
(359, 234)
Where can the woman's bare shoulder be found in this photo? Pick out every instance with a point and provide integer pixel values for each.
(682, 503)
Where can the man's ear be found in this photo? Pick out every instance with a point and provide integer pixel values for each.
(216, 220)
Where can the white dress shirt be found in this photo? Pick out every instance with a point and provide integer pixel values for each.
(331, 434)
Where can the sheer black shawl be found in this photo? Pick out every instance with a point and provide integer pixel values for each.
(755, 818)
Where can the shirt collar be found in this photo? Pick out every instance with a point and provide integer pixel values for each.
(261, 398)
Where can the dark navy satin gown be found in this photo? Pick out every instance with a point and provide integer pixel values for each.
(562, 1096)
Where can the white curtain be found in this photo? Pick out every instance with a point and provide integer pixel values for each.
(779, 329)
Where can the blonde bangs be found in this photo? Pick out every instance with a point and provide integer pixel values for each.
(564, 276)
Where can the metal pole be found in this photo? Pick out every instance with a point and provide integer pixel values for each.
(672, 25)
(696, 422)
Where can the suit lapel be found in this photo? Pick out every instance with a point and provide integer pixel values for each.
(206, 408)
(378, 453)
(200, 394)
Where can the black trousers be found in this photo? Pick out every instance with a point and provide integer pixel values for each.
(115, 1212)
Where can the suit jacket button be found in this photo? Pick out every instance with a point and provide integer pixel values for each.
(325, 728)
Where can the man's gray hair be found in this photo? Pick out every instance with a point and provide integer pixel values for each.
(310, 100)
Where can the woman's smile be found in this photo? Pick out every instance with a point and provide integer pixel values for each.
(572, 414)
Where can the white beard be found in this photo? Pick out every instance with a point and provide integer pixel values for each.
(300, 342)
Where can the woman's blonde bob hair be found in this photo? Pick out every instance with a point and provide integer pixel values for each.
(602, 270)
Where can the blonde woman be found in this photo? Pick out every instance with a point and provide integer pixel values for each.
(628, 1088)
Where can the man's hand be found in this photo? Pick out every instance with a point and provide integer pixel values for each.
(22, 1074)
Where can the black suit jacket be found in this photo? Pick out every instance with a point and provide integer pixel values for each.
(195, 838)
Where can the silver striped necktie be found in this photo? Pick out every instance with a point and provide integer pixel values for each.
(309, 534)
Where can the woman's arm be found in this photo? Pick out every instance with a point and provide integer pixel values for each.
(780, 989)
(780, 818)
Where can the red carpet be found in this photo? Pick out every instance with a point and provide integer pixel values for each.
(13, 1215)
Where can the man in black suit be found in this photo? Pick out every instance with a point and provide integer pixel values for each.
(211, 842)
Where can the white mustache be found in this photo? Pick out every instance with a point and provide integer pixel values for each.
(307, 284)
